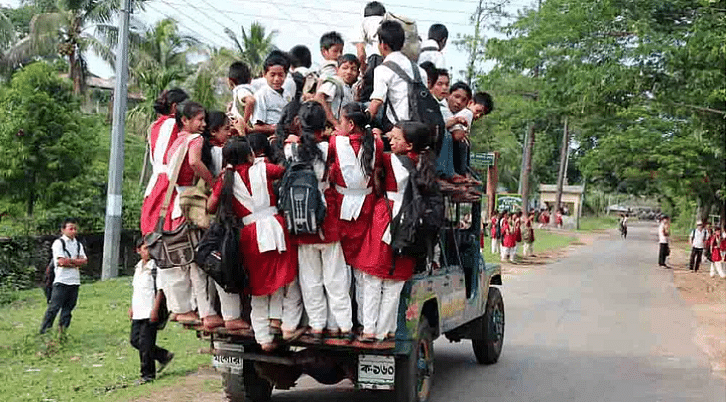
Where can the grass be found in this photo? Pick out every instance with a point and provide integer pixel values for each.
(589, 223)
(94, 359)
(544, 240)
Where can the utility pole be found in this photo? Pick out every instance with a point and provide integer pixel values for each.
(561, 170)
(528, 144)
(112, 229)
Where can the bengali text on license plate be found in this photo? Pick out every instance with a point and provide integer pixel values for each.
(375, 369)
(221, 361)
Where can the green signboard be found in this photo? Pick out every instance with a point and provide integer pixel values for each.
(508, 202)
(482, 160)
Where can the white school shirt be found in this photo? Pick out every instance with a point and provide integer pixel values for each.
(288, 85)
(327, 69)
(387, 84)
(435, 56)
(338, 100)
(366, 33)
(70, 275)
(469, 116)
(142, 299)
(269, 105)
(239, 93)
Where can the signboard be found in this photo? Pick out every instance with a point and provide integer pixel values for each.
(508, 202)
(482, 160)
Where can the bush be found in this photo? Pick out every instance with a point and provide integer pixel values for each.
(17, 269)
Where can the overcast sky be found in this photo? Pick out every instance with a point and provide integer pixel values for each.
(303, 22)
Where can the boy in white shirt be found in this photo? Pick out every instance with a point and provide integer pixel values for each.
(243, 97)
(432, 48)
(144, 314)
(271, 98)
(336, 91)
(366, 39)
(331, 50)
(288, 84)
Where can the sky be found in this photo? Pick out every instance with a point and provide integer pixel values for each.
(303, 22)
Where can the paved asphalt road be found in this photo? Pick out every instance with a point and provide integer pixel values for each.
(603, 324)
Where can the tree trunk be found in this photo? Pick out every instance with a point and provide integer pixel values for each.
(31, 192)
(561, 170)
(527, 168)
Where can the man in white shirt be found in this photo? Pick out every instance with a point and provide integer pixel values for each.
(698, 238)
(432, 48)
(68, 257)
(663, 241)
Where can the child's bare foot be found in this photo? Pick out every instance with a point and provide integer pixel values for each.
(188, 316)
(275, 326)
(268, 347)
(212, 321)
(238, 324)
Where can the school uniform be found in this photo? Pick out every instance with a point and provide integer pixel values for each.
(338, 93)
(65, 285)
(718, 256)
(325, 279)
(430, 52)
(495, 242)
(327, 69)
(445, 159)
(143, 331)
(266, 248)
(388, 85)
(382, 275)
(508, 241)
(289, 87)
(162, 133)
(239, 93)
(366, 34)
(269, 104)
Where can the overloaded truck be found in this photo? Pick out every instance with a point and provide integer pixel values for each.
(457, 297)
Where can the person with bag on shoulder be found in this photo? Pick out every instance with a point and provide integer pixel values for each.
(698, 238)
(146, 304)
(68, 258)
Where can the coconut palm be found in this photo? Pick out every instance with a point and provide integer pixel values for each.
(253, 47)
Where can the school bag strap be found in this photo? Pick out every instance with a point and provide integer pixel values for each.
(176, 165)
(404, 76)
(430, 49)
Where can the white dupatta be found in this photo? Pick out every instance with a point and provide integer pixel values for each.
(401, 176)
(356, 190)
(157, 157)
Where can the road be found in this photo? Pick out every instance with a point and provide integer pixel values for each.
(603, 324)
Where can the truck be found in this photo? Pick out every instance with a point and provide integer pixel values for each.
(458, 297)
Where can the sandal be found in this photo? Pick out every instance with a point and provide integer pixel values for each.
(366, 338)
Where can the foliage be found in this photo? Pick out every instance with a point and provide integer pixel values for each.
(16, 267)
(94, 360)
(253, 46)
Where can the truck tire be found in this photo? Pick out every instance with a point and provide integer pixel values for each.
(487, 344)
(248, 386)
(413, 378)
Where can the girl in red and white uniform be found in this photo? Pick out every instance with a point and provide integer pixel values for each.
(353, 158)
(162, 134)
(325, 280)
(507, 249)
(382, 274)
(269, 255)
(717, 243)
(495, 242)
(186, 152)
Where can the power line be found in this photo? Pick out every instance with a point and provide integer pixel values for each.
(194, 31)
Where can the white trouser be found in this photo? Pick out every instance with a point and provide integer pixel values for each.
(527, 249)
(204, 291)
(719, 267)
(494, 245)
(177, 289)
(229, 304)
(380, 305)
(358, 292)
(325, 282)
(506, 252)
(285, 305)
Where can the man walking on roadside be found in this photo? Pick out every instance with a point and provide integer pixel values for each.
(663, 241)
(697, 238)
(68, 258)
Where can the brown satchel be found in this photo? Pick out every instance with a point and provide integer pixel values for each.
(193, 202)
(174, 248)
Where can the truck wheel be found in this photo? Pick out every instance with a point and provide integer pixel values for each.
(414, 372)
(487, 345)
(248, 386)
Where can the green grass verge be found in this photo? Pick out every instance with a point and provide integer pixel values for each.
(589, 223)
(544, 240)
(94, 359)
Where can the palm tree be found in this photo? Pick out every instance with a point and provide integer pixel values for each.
(254, 47)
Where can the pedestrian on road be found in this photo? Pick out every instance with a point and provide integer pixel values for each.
(623, 225)
(698, 237)
(663, 241)
(68, 257)
(717, 243)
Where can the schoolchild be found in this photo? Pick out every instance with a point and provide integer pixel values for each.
(440, 86)
(382, 273)
(366, 36)
(389, 88)
(300, 59)
(508, 239)
(216, 133)
(717, 243)
(289, 85)
(178, 283)
(495, 233)
(331, 50)
(460, 95)
(243, 97)
(264, 241)
(518, 224)
(146, 299)
(271, 98)
(162, 134)
(324, 277)
(335, 92)
(431, 49)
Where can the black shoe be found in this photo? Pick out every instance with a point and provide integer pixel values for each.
(143, 380)
(164, 364)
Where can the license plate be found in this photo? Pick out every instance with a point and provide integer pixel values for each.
(227, 362)
(376, 372)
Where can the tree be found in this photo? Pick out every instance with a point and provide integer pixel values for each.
(47, 142)
(253, 47)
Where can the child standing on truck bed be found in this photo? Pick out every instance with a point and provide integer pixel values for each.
(383, 274)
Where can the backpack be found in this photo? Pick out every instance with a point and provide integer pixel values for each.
(300, 201)
(163, 312)
(415, 229)
(365, 86)
(412, 45)
(50, 272)
(309, 83)
(423, 106)
(218, 255)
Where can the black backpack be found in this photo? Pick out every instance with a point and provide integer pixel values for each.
(423, 106)
(163, 312)
(415, 229)
(50, 272)
(299, 199)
